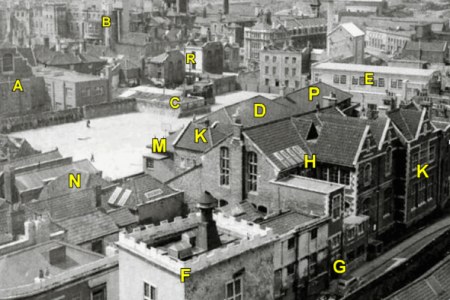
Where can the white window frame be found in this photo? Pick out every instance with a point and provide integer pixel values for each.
(234, 296)
(149, 296)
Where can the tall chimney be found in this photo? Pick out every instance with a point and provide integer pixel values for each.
(226, 7)
(330, 16)
(207, 236)
(9, 184)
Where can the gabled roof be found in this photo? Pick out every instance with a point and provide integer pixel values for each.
(434, 46)
(352, 29)
(280, 142)
(338, 143)
(298, 101)
(139, 190)
(433, 285)
(160, 58)
(186, 141)
(407, 121)
(35, 178)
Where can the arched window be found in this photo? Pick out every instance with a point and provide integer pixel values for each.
(367, 174)
(8, 62)
(387, 202)
(388, 162)
(252, 171)
(224, 166)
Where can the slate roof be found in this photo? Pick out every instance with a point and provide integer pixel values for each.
(434, 46)
(35, 178)
(330, 146)
(287, 221)
(433, 285)
(65, 206)
(242, 211)
(28, 54)
(159, 59)
(134, 191)
(407, 121)
(352, 29)
(32, 159)
(280, 142)
(122, 217)
(88, 227)
(187, 139)
(298, 101)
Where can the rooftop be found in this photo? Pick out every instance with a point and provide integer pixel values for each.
(65, 75)
(353, 29)
(288, 221)
(156, 242)
(310, 184)
(374, 69)
(22, 267)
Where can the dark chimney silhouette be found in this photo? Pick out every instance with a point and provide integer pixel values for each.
(226, 7)
(9, 184)
(207, 236)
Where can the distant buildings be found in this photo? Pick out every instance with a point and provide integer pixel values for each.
(69, 89)
(346, 42)
(366, 6)
(278, 30)
(283, 68)
(402, 82)
(167, 68)
(389, 40)
(209, 57)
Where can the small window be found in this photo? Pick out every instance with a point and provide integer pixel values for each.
(8, 62)
(150, 163)
(267, 82)
(267, 58)
(149, 292)
(381, 82)
(314, 233)
(360, 229)
(267, 70)
(336, 207)
(97, 246)
(274, 59)
(343, 79)
(432, 154)
(274, 70)
(388, 162)
(291, 269)
(393, 83)
(224, 166)
(291, 243)
(345, 177)
(234, 289)
(294, 71)
(367, 174)
(354, 80)
(336, 79)
(294, 60)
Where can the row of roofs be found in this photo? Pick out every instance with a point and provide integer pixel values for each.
(291, 121)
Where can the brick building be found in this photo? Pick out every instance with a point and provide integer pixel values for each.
(16, 63)
(46, 267)
(226, 259)
(167, 67)
(68, 89)
(283, 68)
(209, 57)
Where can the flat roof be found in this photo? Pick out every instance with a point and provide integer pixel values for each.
(22, 267)
(66, 75)
(374, 69)
(310, 184)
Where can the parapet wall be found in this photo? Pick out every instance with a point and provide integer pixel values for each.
(118, 106)
(253, 236)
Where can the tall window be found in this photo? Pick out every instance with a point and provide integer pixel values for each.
(345, 177)
(430, 189)
(149, 292)
(387, 204)
(422, 191)
(252, 170)
(336, 207)
(234, 289)
(224, 166)
(7, 62)
(432, 154)
(388, 162)
(367, 174)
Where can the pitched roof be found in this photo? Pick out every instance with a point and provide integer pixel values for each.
(287, 221)
(280, 142)
(139, 190)
(434, 46)
(298, 101)
(352, 29)
(187, 139)
(433, 285)
(88, 227)
(32, 159)
(65, 206)
(160, 58)
(330, 148)
(122, 217)
(28, 54)
(35, 178)
(407, 121)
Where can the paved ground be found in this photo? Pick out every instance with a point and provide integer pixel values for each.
(117, 142)
(401, 252)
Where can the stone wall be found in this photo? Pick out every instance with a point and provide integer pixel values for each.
(109, 108)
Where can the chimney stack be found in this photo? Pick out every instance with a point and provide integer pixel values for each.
(226, 7)
(9, 184)
(330, 16)
(207, 236)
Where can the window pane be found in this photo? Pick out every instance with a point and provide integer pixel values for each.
(146, 289)
(237, 286)
(230, 292)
